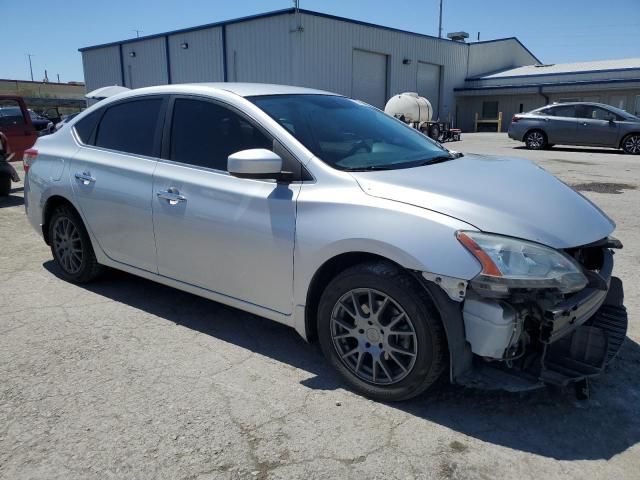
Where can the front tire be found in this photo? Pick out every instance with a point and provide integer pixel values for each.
(535, 140)
(631, 144)
(71, 246)
(380, 330)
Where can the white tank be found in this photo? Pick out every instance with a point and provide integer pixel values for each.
(409, 107)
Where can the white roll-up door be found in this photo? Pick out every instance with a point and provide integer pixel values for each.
(428, 84)
(369, 77)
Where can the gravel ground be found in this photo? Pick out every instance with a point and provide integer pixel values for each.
(128, 379)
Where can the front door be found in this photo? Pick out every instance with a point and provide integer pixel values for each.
(225, 234)
(112, 179)
(597, 126)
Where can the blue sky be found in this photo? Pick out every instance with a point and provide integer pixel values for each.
(554, 30)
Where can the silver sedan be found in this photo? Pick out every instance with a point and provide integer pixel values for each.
(402, 259)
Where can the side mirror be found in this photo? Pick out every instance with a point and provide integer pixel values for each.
(255, 163)
(611, 119)
(455, 154)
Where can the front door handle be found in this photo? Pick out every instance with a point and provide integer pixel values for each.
(85, 178)
(172, 196)
(584, 124)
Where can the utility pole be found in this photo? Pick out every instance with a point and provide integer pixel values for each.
(440, 22)
(30, 67)
(58, 75)
(138, 32)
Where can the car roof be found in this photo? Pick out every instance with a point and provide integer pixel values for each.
(241, 89)
(559, 104)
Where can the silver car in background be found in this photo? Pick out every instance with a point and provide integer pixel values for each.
(584, 124)
(402, 259)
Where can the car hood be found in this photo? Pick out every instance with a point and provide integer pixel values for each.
(499, 195)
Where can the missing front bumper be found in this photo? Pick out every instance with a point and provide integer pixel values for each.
(572, 351)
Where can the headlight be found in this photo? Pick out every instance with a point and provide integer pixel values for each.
(511, 263)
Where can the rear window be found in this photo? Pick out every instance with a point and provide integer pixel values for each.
(86, 127)
(562, 111)
(10, 113)
(130, 127)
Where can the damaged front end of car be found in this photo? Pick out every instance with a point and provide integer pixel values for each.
(535, 315)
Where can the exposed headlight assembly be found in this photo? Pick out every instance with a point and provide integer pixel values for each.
(509, 263)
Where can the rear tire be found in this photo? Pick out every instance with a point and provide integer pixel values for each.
(631, 144)
(535, 140)
(71, 246)
(380, 330)
(5, 185)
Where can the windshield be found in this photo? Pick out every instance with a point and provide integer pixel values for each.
(625, 114)
(348, 135)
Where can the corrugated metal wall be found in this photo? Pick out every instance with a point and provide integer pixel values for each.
(148, 66)
(487, 57)
(507, 104)
(101, 67)
(260, 51)
(324, 52)
(299, 49)
(201, 61)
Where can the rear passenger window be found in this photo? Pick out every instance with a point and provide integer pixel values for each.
(205, 134)
(130, 127)
(563, 111)
(86, 126)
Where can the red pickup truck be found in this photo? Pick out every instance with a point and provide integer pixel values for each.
(17, 134)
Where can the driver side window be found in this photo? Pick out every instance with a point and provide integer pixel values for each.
(204, 134)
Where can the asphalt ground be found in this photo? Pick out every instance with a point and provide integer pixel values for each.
(125, 378)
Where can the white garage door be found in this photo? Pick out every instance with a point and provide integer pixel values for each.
(369, 78)
(428, 84)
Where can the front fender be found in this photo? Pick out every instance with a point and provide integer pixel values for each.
(333, 223)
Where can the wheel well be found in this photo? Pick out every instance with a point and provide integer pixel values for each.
(323, 276)
(625, 137)
(50, 207)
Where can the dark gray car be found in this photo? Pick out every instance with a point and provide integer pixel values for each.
(584, 123)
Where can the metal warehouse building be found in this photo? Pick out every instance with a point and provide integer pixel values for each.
(301, 47)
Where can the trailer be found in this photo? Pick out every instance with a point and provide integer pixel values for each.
(417, 112)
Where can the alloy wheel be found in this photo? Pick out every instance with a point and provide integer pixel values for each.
(632, 144)
(535, 140)
(67, 245)
(373, 336)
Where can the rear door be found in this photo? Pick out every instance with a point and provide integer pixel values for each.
(597, 126)
(112, 177)
(233, 236)
(560, 124)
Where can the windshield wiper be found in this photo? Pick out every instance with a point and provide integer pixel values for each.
(368, 168)
(440, 159)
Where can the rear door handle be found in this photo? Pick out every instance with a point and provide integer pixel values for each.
(85, 178)
(585, 124)
(172, 196)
